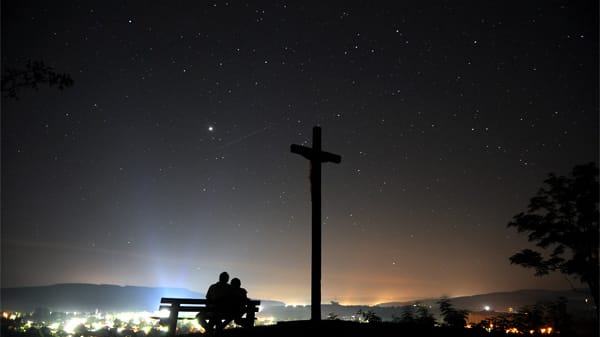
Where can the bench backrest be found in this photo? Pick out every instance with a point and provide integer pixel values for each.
(182, 304)
(167, 300)
(193, 304)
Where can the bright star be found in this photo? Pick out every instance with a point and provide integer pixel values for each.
(211, 128)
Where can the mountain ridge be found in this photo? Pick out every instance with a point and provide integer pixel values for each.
(89, 297)
(107, 297)
(535, 294)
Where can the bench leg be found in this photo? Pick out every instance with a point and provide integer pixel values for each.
(248, 321)
(203, 321)
(222, 323)
(173, 315)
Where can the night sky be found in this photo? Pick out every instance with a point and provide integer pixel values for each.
(168, 160)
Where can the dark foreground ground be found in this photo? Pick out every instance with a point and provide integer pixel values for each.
(354, 329)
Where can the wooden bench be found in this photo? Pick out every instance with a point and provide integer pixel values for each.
(198, 305)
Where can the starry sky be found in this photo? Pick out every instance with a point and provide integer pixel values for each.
(168, 160)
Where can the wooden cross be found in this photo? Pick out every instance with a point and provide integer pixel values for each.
(316, 157)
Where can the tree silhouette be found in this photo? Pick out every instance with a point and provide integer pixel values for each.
(454, 318)
(408, 316)
(424, 317)
(34, 74)
(80, 330)
(559, 316)
(369, 316)
(563, 216)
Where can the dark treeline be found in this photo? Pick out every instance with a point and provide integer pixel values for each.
(444, 319)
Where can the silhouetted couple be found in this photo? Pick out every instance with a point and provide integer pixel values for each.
(225, 302)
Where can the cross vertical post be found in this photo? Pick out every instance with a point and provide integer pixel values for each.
(316, 157)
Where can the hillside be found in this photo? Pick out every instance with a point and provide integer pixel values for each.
(502, 301)
(499, 302)
(92, 297)
(88, 297)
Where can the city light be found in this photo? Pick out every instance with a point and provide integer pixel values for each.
(71, 324)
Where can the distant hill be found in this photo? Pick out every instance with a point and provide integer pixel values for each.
(498, 302)
(502, 301)
(91, 297)
(88, 297)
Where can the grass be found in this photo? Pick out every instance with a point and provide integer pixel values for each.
(355, 329)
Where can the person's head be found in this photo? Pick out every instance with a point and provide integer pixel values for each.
(235, 282)
(224, 277)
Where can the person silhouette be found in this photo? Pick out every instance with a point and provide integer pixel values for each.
(239, 300)
(217, 305)
(217, 292)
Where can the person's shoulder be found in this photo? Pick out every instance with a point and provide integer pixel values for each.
(213, 287)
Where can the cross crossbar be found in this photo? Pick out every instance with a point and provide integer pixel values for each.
(308, 153)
